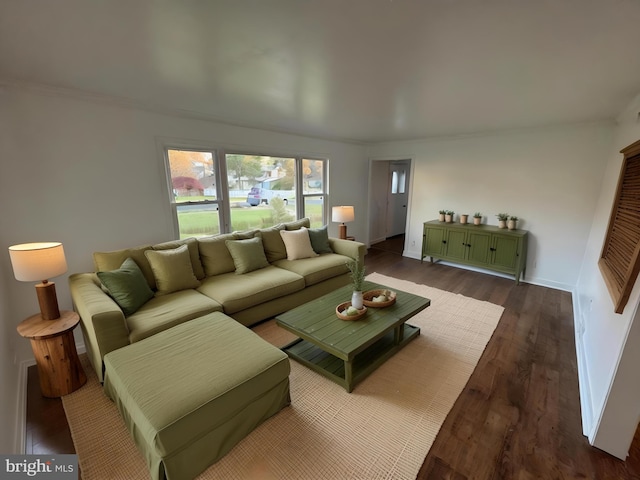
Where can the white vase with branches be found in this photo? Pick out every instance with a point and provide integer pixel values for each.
(357, 280)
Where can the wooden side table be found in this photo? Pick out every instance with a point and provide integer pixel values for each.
(54, 348)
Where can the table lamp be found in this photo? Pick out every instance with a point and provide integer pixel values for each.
(342, 214)
(40, 261)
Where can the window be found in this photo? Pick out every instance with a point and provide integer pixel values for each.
(620, 258)
(193, 185)
(398, 181)
(264, 182)
(215, 192)
(313, 191)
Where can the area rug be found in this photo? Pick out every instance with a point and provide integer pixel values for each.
(383, 429)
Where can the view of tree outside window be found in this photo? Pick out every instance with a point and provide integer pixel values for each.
(269, 185)
(259, 191)
(194, 190)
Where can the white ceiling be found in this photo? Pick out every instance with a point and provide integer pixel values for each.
(364, 70)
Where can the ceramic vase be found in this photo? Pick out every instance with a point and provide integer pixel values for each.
(357, 300)
(463, 218)
(477, 220)
(512, 224)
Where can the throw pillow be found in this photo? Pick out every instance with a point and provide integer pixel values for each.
(215, 255)
(297, 224)
(248, 255)
(107, 261)
(194, 253)
(297, 243)
(127, 286)
(320, 240)
(172, 270)
(272, 242)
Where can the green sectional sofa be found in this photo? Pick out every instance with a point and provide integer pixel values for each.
(250, 276)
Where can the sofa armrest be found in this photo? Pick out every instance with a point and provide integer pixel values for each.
(103, 324)
(349, 248)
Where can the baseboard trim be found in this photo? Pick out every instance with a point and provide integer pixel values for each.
(527, 279)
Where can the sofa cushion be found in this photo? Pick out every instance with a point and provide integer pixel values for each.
(320, 240)
(248, 255)
(194, 253)
(273, 244)
(297, 243)
(166, 311)
(172, 269)
(238, 292)
(317, 269)
(245, 234)
(297, 224)
(127, 286)
(215, 255)
(106, 261)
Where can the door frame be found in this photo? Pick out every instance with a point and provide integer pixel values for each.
(372, 213)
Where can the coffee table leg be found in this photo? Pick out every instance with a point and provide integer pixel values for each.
(348, 375)
(398, 334)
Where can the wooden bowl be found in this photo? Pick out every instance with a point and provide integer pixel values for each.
(343, 316)
(369, 295)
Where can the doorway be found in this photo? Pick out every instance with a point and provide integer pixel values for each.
(389, 199)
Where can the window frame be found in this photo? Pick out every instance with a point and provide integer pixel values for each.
(219, 155)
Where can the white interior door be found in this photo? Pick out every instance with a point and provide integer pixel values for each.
(397, 197)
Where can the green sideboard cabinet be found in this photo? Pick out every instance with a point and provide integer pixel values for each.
(483, 246)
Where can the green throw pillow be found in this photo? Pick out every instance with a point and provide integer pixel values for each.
(248, 255)
(108, 261)
(127, 286)
(320, 240)
(194, 253)
(215, 255)
(297, 224)
(172, 270)
(272, 242)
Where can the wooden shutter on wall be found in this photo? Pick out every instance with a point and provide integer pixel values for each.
(620, 258)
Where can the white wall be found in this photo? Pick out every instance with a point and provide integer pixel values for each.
(608, 343)
(90, 174)
(550, 178)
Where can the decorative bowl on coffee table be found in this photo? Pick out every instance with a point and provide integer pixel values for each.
(341, 312)
(369, 295)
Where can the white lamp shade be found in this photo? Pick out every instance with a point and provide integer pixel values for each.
(33, 262)
(342, 214)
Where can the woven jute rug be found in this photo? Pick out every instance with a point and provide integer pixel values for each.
(383, 429)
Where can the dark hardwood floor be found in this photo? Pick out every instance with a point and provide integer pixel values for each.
(517, 418)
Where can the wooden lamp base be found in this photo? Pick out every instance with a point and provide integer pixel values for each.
(48, 300)
(342, 230)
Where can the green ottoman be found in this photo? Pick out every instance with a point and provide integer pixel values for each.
(190, 393)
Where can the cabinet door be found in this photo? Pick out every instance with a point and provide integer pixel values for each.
(505, 251)
(433, 242)
(457, 244)
(478, 244)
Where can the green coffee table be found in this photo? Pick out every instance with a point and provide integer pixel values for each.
(347, 351)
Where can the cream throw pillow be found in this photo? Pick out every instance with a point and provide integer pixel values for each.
(172, 269)
(297, 243)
